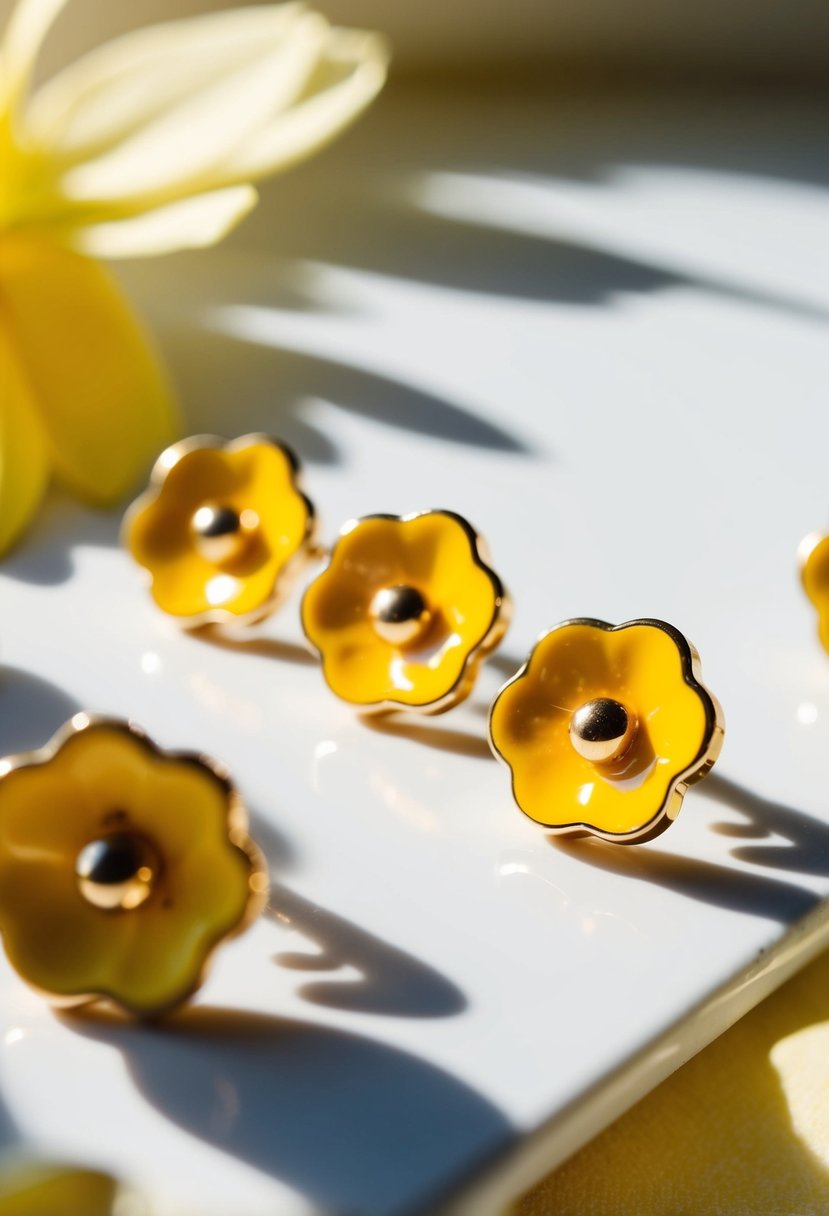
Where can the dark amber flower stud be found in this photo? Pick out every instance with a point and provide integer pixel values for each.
(122, 867)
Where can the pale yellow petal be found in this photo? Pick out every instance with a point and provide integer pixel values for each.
(192, 223)
(24, 464)
(347, 78)
(28, 24)
(100, 392)
(156, 153)
(194, 107)
(119, 87)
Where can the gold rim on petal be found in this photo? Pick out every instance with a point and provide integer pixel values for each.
(491, 638)
(285, 577)
(679, 782)
(237, 839)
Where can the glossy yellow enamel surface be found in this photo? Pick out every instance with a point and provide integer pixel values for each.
(814, 569)
(252, 474)
(645, 667)
(437, 554)
(102, 778)
(31, 1188)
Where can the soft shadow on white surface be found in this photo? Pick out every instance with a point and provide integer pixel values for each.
(442, 738)
(45, 555)
(391, 982)
(720, 885)
(31, 710)
(755, 892)
(806, 847)
(353, 1124)
(257, 646)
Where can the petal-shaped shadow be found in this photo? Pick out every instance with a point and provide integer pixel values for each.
(353, 1124)
(271, 385)
(808, 849)
(723, 886)
(392, 981)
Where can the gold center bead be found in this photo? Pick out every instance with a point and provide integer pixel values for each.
(117, 871)
(602, 730)
(400, 615)
(221, 532)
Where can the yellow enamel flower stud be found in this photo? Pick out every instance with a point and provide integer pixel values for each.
(405, 612)
(813, 555)
(605, 727)
(223, 529)
(122, 867)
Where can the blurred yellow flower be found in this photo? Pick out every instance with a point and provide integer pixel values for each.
(44, 1188)
(144, 146)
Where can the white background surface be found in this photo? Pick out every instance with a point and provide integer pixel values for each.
(597, 328)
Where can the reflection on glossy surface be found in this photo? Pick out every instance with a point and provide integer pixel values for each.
(353, 1124)
(405, 611)
(539, 895)
(602, 730)
(222, 529)
(245, 712)
(400, 614)
(150, 663)
(646, 672)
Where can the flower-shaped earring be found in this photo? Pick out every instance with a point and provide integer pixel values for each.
(405, 612)
(605, 727)
(122, 867)
(813, 556)
(222, 530)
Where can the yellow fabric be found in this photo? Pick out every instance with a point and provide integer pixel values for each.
(740, 1130)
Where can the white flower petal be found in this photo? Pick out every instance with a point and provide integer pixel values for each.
(190, 223)
(28, 24)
